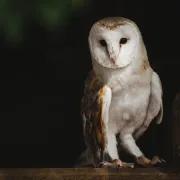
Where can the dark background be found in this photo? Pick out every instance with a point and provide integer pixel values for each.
(42, 82)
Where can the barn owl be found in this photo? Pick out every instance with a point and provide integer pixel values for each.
(122, 94)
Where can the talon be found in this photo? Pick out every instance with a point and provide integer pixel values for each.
(100, 165)
(160, 160)
(119, 164)
(145, 162)
(163, 161)
(115, 164)
(103, 164)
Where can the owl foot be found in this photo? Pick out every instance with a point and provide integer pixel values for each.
(145, 162)
(115, 164)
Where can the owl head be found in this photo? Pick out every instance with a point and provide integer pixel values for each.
(115, 42)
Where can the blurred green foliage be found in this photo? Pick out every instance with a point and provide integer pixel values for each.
(15, 15)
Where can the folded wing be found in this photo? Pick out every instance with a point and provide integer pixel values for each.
(94, 110)
(155, 107)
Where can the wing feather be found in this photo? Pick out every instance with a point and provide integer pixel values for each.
(155, 107)
(92, 110)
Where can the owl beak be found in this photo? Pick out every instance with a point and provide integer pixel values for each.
(113, 60)
(113, 57)
(113, 54)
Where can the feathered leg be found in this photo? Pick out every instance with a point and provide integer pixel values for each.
(112, 152)
(129, 144)
(154, 112)
(109, 147)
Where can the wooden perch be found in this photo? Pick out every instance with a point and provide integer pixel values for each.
(176, 129)
(88, 174)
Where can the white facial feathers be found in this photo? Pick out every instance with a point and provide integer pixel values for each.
(115, 42)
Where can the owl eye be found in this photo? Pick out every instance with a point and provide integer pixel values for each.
(123, 40)
(103, 43)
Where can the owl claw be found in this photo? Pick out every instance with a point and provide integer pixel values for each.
(115, 164)
(160, 160)
(145, 162)
(156, 161)
(163, 161)
(103, 164)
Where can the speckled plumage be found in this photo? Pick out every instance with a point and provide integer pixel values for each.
(122, 92)
(92, 104)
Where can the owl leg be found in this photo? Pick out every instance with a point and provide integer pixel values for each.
(129, 144)
(115, 162)
(111, 152)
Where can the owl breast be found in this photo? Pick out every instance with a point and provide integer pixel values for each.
(128, 106)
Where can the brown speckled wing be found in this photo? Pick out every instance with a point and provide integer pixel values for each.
(91, 111)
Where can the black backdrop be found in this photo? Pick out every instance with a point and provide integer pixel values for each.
(42, 83)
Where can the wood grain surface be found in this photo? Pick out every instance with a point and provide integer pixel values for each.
(88, 174)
